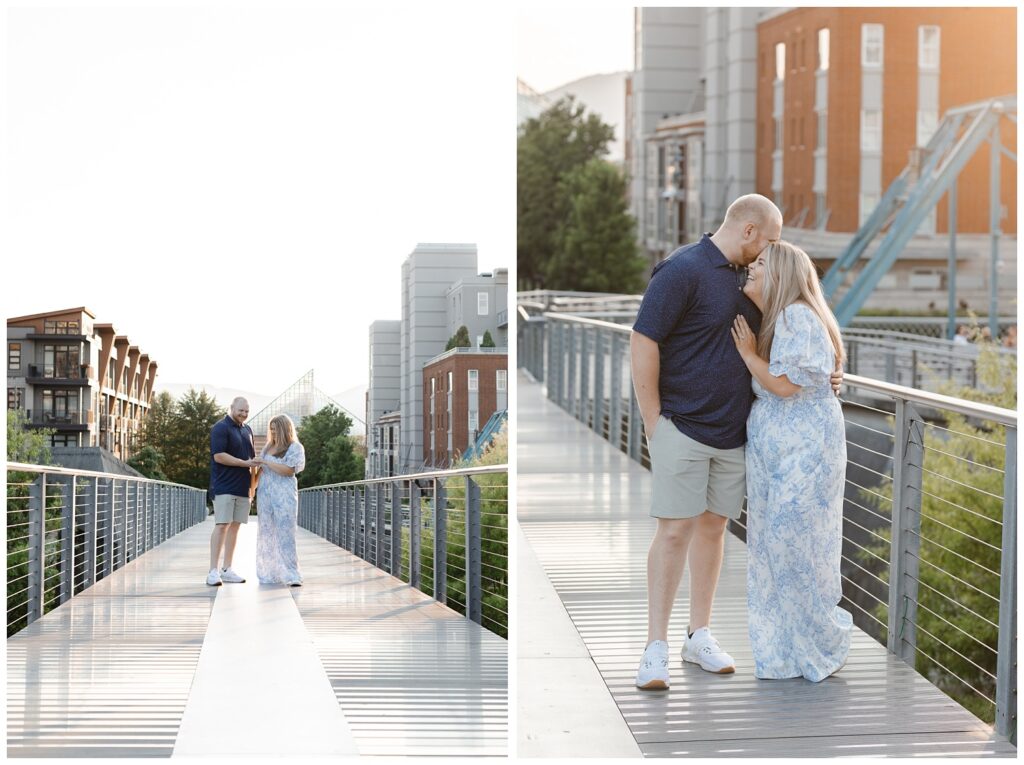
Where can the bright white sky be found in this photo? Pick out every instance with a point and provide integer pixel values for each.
(557, 45)
(235, 186)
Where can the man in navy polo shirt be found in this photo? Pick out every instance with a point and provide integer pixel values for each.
(694, 394)
(231, 461)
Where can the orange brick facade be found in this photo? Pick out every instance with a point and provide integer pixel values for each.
(440, 423)
(977, 61)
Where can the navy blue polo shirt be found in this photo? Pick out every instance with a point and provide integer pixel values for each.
(236, 440)
(688, 309)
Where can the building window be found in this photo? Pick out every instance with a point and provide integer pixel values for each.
(482, 308)
(15, 398)
(780, 61)
(822, 130)
(868, 203)
(60, 406)
(928, 48)
(61, 361)
(64, 439)
(927, 123)
(474, 379)
(54, 327)
(501, 379)
(871, 130)
(14, 355)
(871, 40)
(474, 421)
(823, 42)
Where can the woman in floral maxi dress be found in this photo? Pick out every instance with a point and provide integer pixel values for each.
(796, 471)
(277, 502)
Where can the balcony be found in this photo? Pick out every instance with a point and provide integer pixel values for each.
(77, 375)
(503, 319)
(62, 421)
(454, 351)
(57, 336)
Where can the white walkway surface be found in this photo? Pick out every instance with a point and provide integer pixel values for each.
(150, 662)
(259, 676)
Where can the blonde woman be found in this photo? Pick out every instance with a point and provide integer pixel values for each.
(796, 470)
(277, 502)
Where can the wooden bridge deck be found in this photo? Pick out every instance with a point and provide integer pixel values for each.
(584, 509)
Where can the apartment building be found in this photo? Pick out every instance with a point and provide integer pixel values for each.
(80, 379)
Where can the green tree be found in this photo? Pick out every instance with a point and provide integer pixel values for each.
(179, 431)
(460, 339)
(330, 450)
(550, 146)
(26, 445)
(488, 341)
(961, 541)
(149, 461)
(596, 246)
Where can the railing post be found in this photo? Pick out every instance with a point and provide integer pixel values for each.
(1006, 658)
(108, 528)
(634, 426)
(378, 532)
(615, 420)
(414, 533)
(323, 510)
(906, 531)
(440, 542)
(474, 588)
(539, 335)
(552, 375)
(364, 521)
(582, 406)
(569, 400)
(396, 529)
(92, 502)
(599, 407)
(124, 528)
(68, 487)
(36, 547)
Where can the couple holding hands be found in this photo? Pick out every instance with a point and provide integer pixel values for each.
(236, 473)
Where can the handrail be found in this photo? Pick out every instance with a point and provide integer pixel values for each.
(58, 470)
(415, 476)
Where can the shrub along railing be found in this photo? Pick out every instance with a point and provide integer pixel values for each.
(443, 532)
(929, 532)
(67, 529)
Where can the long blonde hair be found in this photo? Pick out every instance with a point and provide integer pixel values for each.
(280, 435)
(790, 276)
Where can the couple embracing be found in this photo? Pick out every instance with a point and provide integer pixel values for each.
(736, 362)
(236, 474)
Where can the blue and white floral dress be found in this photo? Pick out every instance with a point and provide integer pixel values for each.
(796, 470)
(277, 502)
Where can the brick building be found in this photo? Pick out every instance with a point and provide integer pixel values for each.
(844, 95)
(462, 388)
(81, 379)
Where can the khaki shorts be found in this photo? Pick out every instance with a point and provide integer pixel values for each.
(230, 509)
(690, 477)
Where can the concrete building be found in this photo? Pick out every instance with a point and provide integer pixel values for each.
(383, 397)
(462, 388)
(441, 291)
(81, 379)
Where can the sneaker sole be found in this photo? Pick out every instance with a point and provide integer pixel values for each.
(216, 584)
(654, 685)
(723, 671)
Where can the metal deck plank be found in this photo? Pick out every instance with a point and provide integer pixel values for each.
(584, 508)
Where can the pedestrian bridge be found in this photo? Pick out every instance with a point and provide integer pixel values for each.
(928, 615)
(150, 662)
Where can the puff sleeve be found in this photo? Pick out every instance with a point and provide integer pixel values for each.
(801, 348)
(295, 457)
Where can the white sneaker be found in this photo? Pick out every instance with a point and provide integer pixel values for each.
(653, 672)
(213, 578)
(704, 650)
(229, 575)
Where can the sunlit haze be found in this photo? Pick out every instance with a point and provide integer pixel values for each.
(235, 189)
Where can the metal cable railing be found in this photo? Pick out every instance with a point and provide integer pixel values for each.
(443, 532)
(929, 532)
(67, 529)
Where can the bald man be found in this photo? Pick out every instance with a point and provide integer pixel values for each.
(694, 394)
(232, 457)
